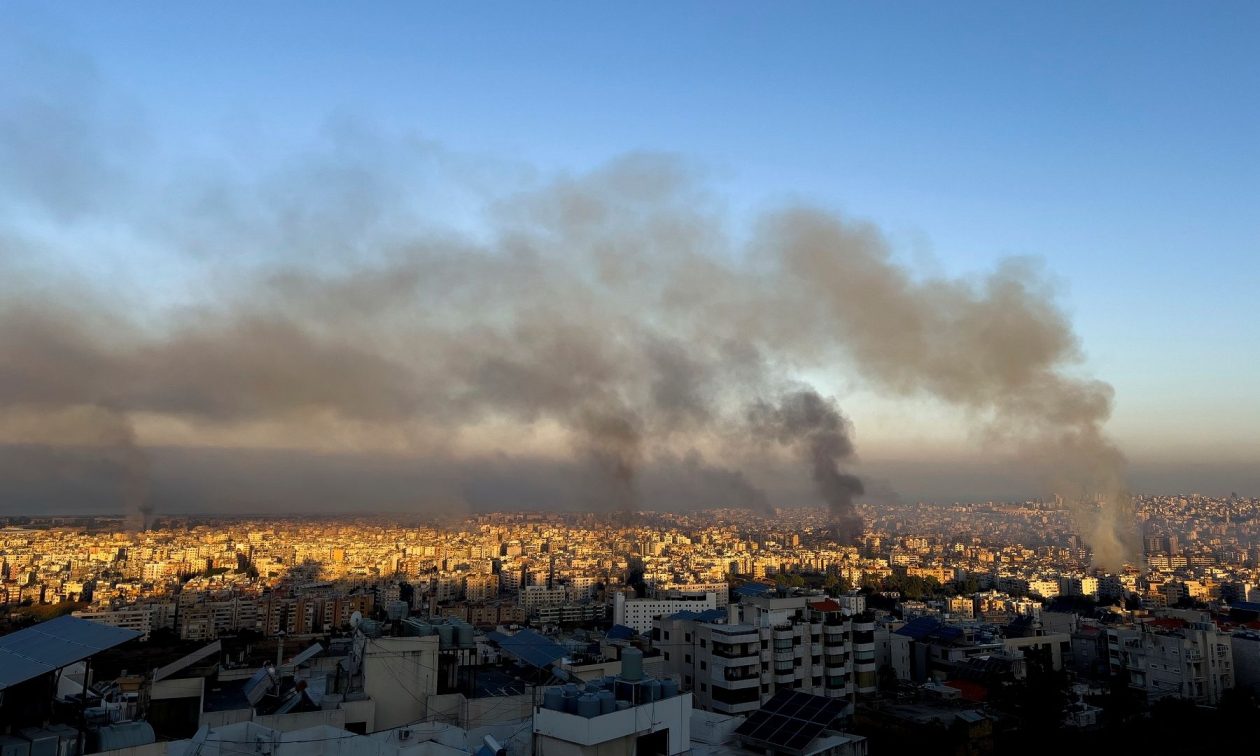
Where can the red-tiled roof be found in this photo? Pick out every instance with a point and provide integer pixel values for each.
(971, 690)
(825, 606)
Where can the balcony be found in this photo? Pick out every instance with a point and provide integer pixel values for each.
(737, 674)
(736, 650)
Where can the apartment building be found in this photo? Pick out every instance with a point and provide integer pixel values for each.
(638, 613)
(1180, 654)
(765, 645)
(136, 618)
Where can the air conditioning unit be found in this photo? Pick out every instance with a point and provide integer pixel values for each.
(404, 733)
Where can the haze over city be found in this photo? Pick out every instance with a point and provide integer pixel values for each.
(571, 379)
(417, 276)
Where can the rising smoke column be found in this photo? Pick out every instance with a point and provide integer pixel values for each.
(814, 426)
(1000, 349)
(611, 318)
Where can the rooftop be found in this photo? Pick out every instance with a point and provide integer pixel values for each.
(49, 646)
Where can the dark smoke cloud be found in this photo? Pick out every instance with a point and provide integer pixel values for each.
(611, 320)
(806, 420)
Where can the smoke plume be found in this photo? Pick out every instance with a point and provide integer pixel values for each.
(813, 424)
(614, 319)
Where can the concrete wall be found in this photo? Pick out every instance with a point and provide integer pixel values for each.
(400, 674)
(302, 719)
(469, 713)
(561, 734)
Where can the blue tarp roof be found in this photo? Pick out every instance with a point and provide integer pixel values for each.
(752, 589)
(49, 646)
(529, 647)
(621, 632)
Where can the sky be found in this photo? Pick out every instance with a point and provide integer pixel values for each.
(1114, 143)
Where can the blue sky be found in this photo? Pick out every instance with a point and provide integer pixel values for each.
(1116, 141)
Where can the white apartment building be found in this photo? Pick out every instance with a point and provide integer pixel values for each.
(137, 618)
(1181, 654)
(638, 613)
(766, 645)
(680, 590)
(1078, 585)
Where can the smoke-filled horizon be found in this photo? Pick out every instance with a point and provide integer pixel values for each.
(613, 318)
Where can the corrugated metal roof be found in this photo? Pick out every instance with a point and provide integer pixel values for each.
(49, 646)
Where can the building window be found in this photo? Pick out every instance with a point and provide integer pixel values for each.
(704, 687)
(666, 656)
(687, 659)
(703, 643)
(687, 637)
(736, 696)
(704, 664)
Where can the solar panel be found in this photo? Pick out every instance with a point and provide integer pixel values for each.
(186, 661)
(54, 644)
(529, 647)
(257, 685)
(791, 720)
(306, 655)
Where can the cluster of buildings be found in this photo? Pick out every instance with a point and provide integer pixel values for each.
(459, 637)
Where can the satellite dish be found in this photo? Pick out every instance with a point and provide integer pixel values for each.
(356, 618)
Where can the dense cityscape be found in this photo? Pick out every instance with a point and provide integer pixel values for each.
(957, 621)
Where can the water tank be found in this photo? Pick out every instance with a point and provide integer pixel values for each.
(588, 705)
(553, 698)
(608, 681)
(623, 705)
(650, 691)
(446, 635)
(396, 610)
(607, 701)
(669, 687)
(594, 686)
(632, 664)
(43, 742)
(571, 694)
(464, 633)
